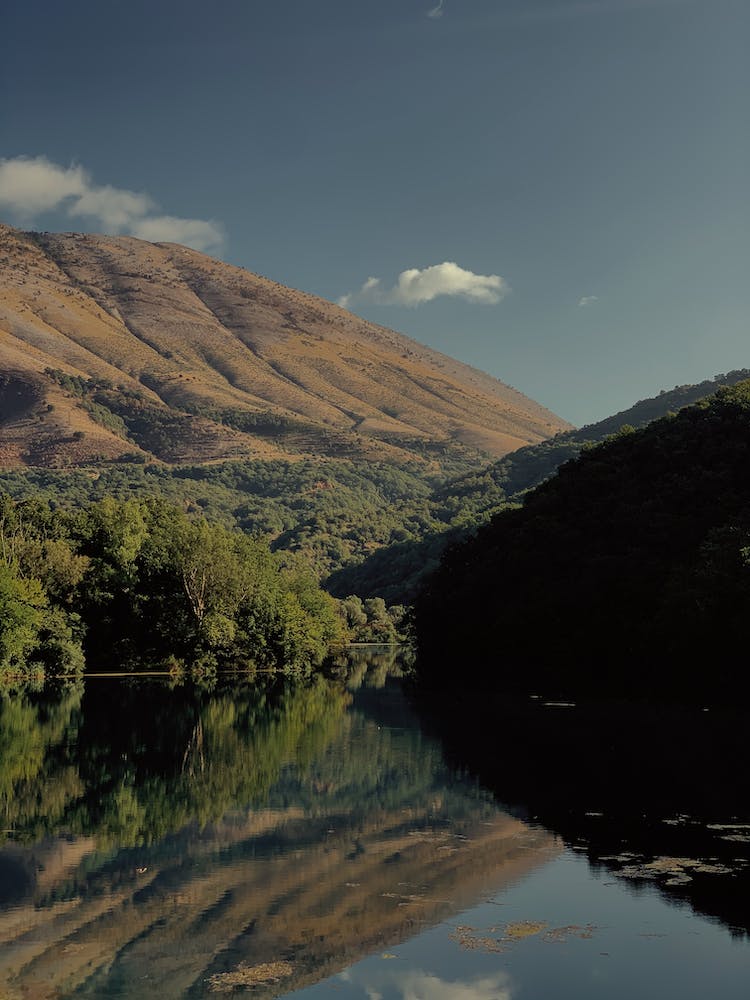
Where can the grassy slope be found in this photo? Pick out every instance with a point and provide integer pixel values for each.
(203, 361)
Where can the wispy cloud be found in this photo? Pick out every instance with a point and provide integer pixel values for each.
(437, 11)
(415, 286)
(30, 187)
(587, 300)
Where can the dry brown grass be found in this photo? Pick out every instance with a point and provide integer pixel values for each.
(188, 332)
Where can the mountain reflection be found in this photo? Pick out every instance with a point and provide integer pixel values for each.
(158, 839)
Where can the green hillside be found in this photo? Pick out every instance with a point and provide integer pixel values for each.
(462, 503)
(527, 467)
(627, 574)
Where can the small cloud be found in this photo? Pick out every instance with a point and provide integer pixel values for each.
(31, 186)
(587, 300)
(414, 287)
(437, 11)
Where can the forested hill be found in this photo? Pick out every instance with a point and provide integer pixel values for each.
(628, 573)
(458, 506)
(527, 467)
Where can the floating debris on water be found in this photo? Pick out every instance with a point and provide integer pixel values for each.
(557, 934)
(249, 975)
(468, 938)
(679, 870)
(473, 939)
(524, 928)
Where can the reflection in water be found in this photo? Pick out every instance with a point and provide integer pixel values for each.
(652, 795)
(414, 983)
(159, 839)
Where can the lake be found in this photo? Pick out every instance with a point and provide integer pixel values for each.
(169, 839)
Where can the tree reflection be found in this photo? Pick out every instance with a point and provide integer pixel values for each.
(648, 792)
(200, 833)
(132, 770)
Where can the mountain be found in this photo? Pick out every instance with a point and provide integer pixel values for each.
(530, 465)
(626, 574)
(463, 502)
(112, 349)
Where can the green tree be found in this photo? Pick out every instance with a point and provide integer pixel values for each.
(21, 604)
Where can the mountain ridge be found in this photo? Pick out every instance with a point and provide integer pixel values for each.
(241, 365)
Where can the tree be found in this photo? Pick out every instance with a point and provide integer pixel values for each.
(21, 604)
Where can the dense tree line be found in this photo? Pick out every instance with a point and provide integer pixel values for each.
(628, 573)
(368, 528)
(328, 511)
(121, 581)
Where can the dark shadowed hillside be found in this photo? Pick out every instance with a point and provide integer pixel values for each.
(461, 504)
(628, 573)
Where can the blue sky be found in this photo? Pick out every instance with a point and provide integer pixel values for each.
(564, 182)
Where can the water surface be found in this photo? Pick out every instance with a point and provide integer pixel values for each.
(163, 840)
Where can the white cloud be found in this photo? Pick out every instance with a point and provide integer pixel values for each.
(587, 300)
(415, 286)
(28, 187)
(437, 11)
(31, 186)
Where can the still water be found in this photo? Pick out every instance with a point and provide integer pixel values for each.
(163, 840)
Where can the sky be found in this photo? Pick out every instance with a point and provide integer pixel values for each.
(554, 191)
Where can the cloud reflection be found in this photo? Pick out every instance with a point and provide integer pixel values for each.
(415, 984)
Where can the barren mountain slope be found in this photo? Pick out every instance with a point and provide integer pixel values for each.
(179, 356)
